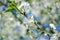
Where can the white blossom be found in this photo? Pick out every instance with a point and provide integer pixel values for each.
(52, 26)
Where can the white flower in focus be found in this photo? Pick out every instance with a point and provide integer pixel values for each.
(52, 26)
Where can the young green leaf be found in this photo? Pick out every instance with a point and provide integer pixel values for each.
(9, 9)
(11, 3)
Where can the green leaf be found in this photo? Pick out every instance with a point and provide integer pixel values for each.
(42, 12)
(58, 0)
(19, 3)
(59, 17)
(9, 9)
(13, 0)
(49, 9)
(11, 3)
